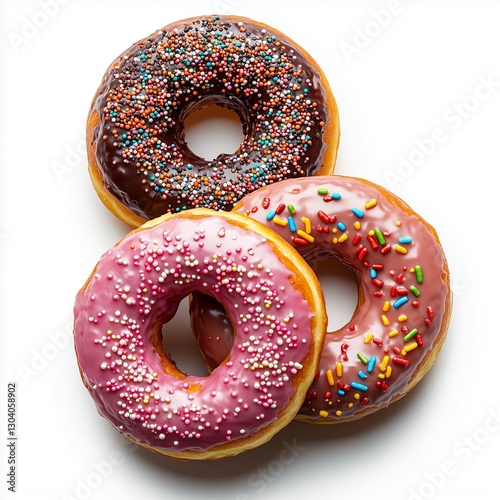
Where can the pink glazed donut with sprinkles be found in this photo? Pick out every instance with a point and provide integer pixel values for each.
(139, 161)
(404, 303)
(275, 303)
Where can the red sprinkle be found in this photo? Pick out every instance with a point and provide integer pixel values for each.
(323, 217)
(362, 253)
(383, 385)
(356, 239)
(400, 361)
(363, 401)
(327, 198)
(419, 340)
(378, 283)
(299, 241)
(385, 249)
(430, 312)
(280, 208)
(266, 202)
(373, 242)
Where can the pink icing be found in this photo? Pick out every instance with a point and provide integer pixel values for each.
(403, 278)
(145, 277)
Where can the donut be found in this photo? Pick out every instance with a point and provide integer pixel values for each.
(404, 300)
(136, 288)
(139, 162)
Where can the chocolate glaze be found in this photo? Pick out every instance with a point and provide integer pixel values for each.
(150, 89)
(378, 350)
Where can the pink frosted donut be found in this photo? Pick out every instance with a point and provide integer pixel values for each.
(404, 302)
(274, 301)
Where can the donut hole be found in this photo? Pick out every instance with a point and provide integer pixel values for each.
(179, 345)
(340, 286)
(213, 130)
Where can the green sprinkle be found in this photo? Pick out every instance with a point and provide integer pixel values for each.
(363, 358)
(415, 290)
(419, 274)
(322, 191)
(410, 334)
(291, 209)
(380, 236)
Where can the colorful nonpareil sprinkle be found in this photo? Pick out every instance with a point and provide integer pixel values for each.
(149, 91)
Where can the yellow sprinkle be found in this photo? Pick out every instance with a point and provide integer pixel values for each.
(334, 230)
(350, 405)
(401, 249)
(338, 413)
(339, 369)
(371, 232)
(385, 362)
(368, 338)
(260, 266)
(402, 317)
(388, 372)
(381, 376)
(307, 224)
(386, 306)
(408, 348)
(370, 204)
(329, 377)
(343, 238)
(306, 236)
(385, 320)
(398, 223)
(323, 413)
(392, 333)
(357, 396)
(279, 221)
(357, 225)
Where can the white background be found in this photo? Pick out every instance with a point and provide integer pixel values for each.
(418, 88)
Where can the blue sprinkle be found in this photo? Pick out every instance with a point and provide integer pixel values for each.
(371, 364)
(373, 273)
(358, 213)
(336, 196)
(270, 215)
(405, 240)
(360, 387)
(400, 302)
(341, 392)
(291, 224)
(341, 226)
(362, 374)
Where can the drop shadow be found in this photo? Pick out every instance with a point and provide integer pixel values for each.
(310, 437)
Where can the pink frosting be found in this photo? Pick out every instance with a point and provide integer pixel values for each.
(144, 277)
(403, 278)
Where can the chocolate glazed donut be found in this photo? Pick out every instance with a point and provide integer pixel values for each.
(139, 161)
